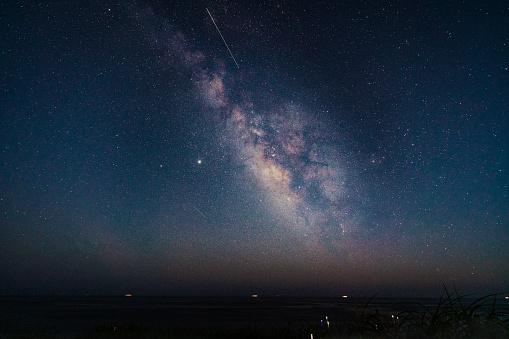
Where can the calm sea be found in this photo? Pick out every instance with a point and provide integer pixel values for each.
(68, 316)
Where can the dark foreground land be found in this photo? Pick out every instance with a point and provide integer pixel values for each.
(450, 316)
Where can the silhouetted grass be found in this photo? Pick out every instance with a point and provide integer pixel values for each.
(453, 317)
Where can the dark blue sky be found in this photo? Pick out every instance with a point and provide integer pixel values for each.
(357, 148)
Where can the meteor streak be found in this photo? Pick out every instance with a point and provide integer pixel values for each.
(223, 38)
(203, 215)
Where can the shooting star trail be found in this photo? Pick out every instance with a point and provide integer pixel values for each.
(223, 38)
(203, 215)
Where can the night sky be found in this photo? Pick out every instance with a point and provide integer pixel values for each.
(359, 147)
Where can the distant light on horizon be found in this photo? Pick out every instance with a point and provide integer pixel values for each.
(254, 296)
(128, 295)
(344, 296)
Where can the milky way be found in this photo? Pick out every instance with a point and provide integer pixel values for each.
(301, 173)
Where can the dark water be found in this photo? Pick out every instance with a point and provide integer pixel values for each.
(68, 316)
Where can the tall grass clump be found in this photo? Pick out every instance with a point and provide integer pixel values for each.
(453, 317)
